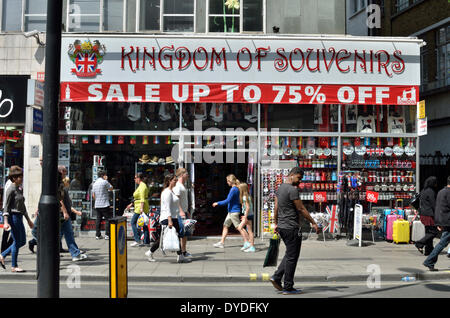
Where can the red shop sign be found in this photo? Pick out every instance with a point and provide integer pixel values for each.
(372, 196)
(320, 197)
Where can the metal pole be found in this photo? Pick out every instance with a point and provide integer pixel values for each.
(48, 240)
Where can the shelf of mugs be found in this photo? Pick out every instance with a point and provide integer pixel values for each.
(379, 164)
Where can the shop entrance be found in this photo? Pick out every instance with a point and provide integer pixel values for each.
(210, 186)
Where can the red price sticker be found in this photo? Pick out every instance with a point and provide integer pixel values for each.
(320, 197)
(372, 196)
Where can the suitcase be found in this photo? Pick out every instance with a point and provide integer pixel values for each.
(400, 232)
(388, 212)
(390, 219)
(418, 231)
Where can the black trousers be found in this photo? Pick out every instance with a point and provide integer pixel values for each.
(103, 213)
(292, 238)
(427, 241)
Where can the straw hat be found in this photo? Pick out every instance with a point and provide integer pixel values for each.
(144, 159)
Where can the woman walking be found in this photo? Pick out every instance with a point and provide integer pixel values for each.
(141, 205)
(426, 212)
(170, 208)
(234, 209)
(13, 214)
(66, 221)
(247, 218)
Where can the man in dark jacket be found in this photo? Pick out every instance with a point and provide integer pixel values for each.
(442, 220)
(426, 211)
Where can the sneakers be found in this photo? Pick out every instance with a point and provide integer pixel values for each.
(251, 249)
(98, 237)
(150, 257)
(182, 259)
(106, 237)
(79, 257)
(276, 284)
(134, 244)
(219, 245)
(292, 291)
(148, 253)
(246, 245)
(430, 267)
(187, 254)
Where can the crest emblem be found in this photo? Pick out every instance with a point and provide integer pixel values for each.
(86, 56)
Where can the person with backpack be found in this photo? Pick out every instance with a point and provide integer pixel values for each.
(426, 212)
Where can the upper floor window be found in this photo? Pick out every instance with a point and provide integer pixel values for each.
(443, 56)
(23, 15)
(235, 16)
(357, 5)
(175, 16)
(401, 5)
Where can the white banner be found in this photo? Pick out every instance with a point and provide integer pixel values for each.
(258, 60)
(357, 230)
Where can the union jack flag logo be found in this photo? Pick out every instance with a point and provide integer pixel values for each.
(332, 223)
(86, 56)
(86, 63)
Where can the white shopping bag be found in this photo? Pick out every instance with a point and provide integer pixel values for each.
(171, 243)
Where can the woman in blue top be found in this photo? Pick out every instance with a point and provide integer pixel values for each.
(233, 202)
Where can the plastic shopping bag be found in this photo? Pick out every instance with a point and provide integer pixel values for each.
(272, 252)
(171, 243)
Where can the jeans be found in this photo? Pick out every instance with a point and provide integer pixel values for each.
(433, 257)
(292, 238)
(107, 214)
(67, 232)
(136, 230)
(18, 235)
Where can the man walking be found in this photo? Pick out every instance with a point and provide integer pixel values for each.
(182, 193)
(442, 220)
(101, 196)
(288, 209)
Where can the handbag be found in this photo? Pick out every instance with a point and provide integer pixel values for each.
(272, 253)
(171, 243)
(415, 201)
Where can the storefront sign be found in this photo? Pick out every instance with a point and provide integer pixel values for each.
(357, 230)
(372, 196)
(421, 109)
(13, 99)
(422, 126)
(320, 197)
(293, 70)
(35, 120)
(35, 94)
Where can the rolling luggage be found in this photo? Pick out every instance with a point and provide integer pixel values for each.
(418, 231)
(390, 219)
(400, 231)
(387, 213)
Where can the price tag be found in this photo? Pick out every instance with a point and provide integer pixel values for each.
(320, 197)
(372, 196)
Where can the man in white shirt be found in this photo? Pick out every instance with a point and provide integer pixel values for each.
(182, 193)
(100, 193)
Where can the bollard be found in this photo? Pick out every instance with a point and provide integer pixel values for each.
(118, 269)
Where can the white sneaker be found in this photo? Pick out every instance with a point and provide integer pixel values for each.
(148, 253)
(150, 257)
(106, 237)
(79, 257)
(219, 245)
(251, 249)
(246, 245)
(182, 259)
(134, 244)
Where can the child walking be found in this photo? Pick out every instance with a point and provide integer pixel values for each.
(247, 218)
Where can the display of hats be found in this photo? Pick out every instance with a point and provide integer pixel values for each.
(161, 161)
(144, 159)
(154, 159)
(169, 160)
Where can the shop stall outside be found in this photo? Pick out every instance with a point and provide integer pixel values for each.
(334, 80)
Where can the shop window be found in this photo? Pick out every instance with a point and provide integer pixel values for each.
(323, 118)
(202, 116)
(378, 119)
(120, 116)
(234, 16)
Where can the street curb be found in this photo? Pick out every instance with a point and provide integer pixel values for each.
(444, 275)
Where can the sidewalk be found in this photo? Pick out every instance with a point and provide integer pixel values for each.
(320, 261)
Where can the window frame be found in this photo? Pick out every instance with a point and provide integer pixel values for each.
(442, 45)
(23, 17)
(241, 19)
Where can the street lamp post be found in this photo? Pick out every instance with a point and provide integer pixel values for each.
(48, 232)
